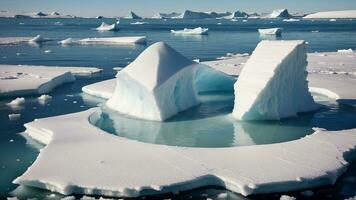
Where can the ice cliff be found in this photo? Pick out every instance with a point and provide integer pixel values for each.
(272, 85)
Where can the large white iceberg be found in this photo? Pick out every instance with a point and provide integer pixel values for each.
(194, 31)
(188, 14)
(156, 86)
(280, 13)
(108, 27)
(161, 82)
(272, 85)
(270, 31)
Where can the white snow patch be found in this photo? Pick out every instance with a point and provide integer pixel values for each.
(194, 31)
(261, 92)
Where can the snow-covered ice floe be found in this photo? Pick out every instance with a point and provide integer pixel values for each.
(344, 14)
(26, 80)
(160, 83)
(261, 92)
(106, 40)
(270, 31)
(194, 31)
(155, 169)
(108, 27)
(18, 40)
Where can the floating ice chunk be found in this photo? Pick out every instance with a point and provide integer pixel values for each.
(195, 31)
(68, 41)
(345, 50)
(272, 85)
(138, 23)
(332, 20)
(13, 117)
(316, 31)
(156, 86)
(37, 39)
(106, 40)
(107, 27)
(44, 98)
(270, 31)
(291, 20)
(286, 197)
(48, 51)
(16, 102)
(58, 23)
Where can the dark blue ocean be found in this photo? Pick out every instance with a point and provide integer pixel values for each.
(224, 36)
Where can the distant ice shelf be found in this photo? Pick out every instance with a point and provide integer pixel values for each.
(344, 14)
(17, 80)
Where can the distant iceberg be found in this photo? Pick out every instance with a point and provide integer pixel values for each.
(238, 14)
(219, 15)
(188, 14)
(99, 17)
(195, 31)
(106, 40)
(270, 31)
(160, 83)
(132, 15)
(165, 15)
(279, 13)
(332, 14)
(272, 85)
(107, 27)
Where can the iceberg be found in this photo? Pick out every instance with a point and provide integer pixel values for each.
(272, 85)
(161, 82)
(156, 86)
(107, 27)
(194, 15)
(194, 31)
(279, 13)
(132, 15)
(343, 14)
(219, 15)
(165, 15)
(238, 14)
(270, 31)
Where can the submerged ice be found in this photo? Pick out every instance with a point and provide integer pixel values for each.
(272, 85)
(160, 83)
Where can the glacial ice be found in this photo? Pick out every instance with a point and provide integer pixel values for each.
(107, 27)
(344, 14)
(272, 85)
(160, 83)
(279, 13)
(270, 31)
(194, 31)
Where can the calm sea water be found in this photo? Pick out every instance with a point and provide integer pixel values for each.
(234, 37)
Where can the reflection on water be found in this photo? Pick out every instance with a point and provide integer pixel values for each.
(211, 125)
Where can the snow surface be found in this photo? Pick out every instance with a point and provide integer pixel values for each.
(333, 14)
(158, 84)
(107, 27)
(106, 40)
(270, 31)
(154, 169)
(25, 79)
(279, 13)
(272, 85)
(194, 31)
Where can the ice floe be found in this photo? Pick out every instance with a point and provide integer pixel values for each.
(37, 39)
(16, 102)
(108, 27)
(24, 80)
(106, 40)
(261, 92)
(194, 31)
(270, 31)
(44, 98)
(155, 169)
(18, 40)
(14, 116)
(138, 23)
(333, 14)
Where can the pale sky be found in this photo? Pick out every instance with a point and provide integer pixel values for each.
(149, 7)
